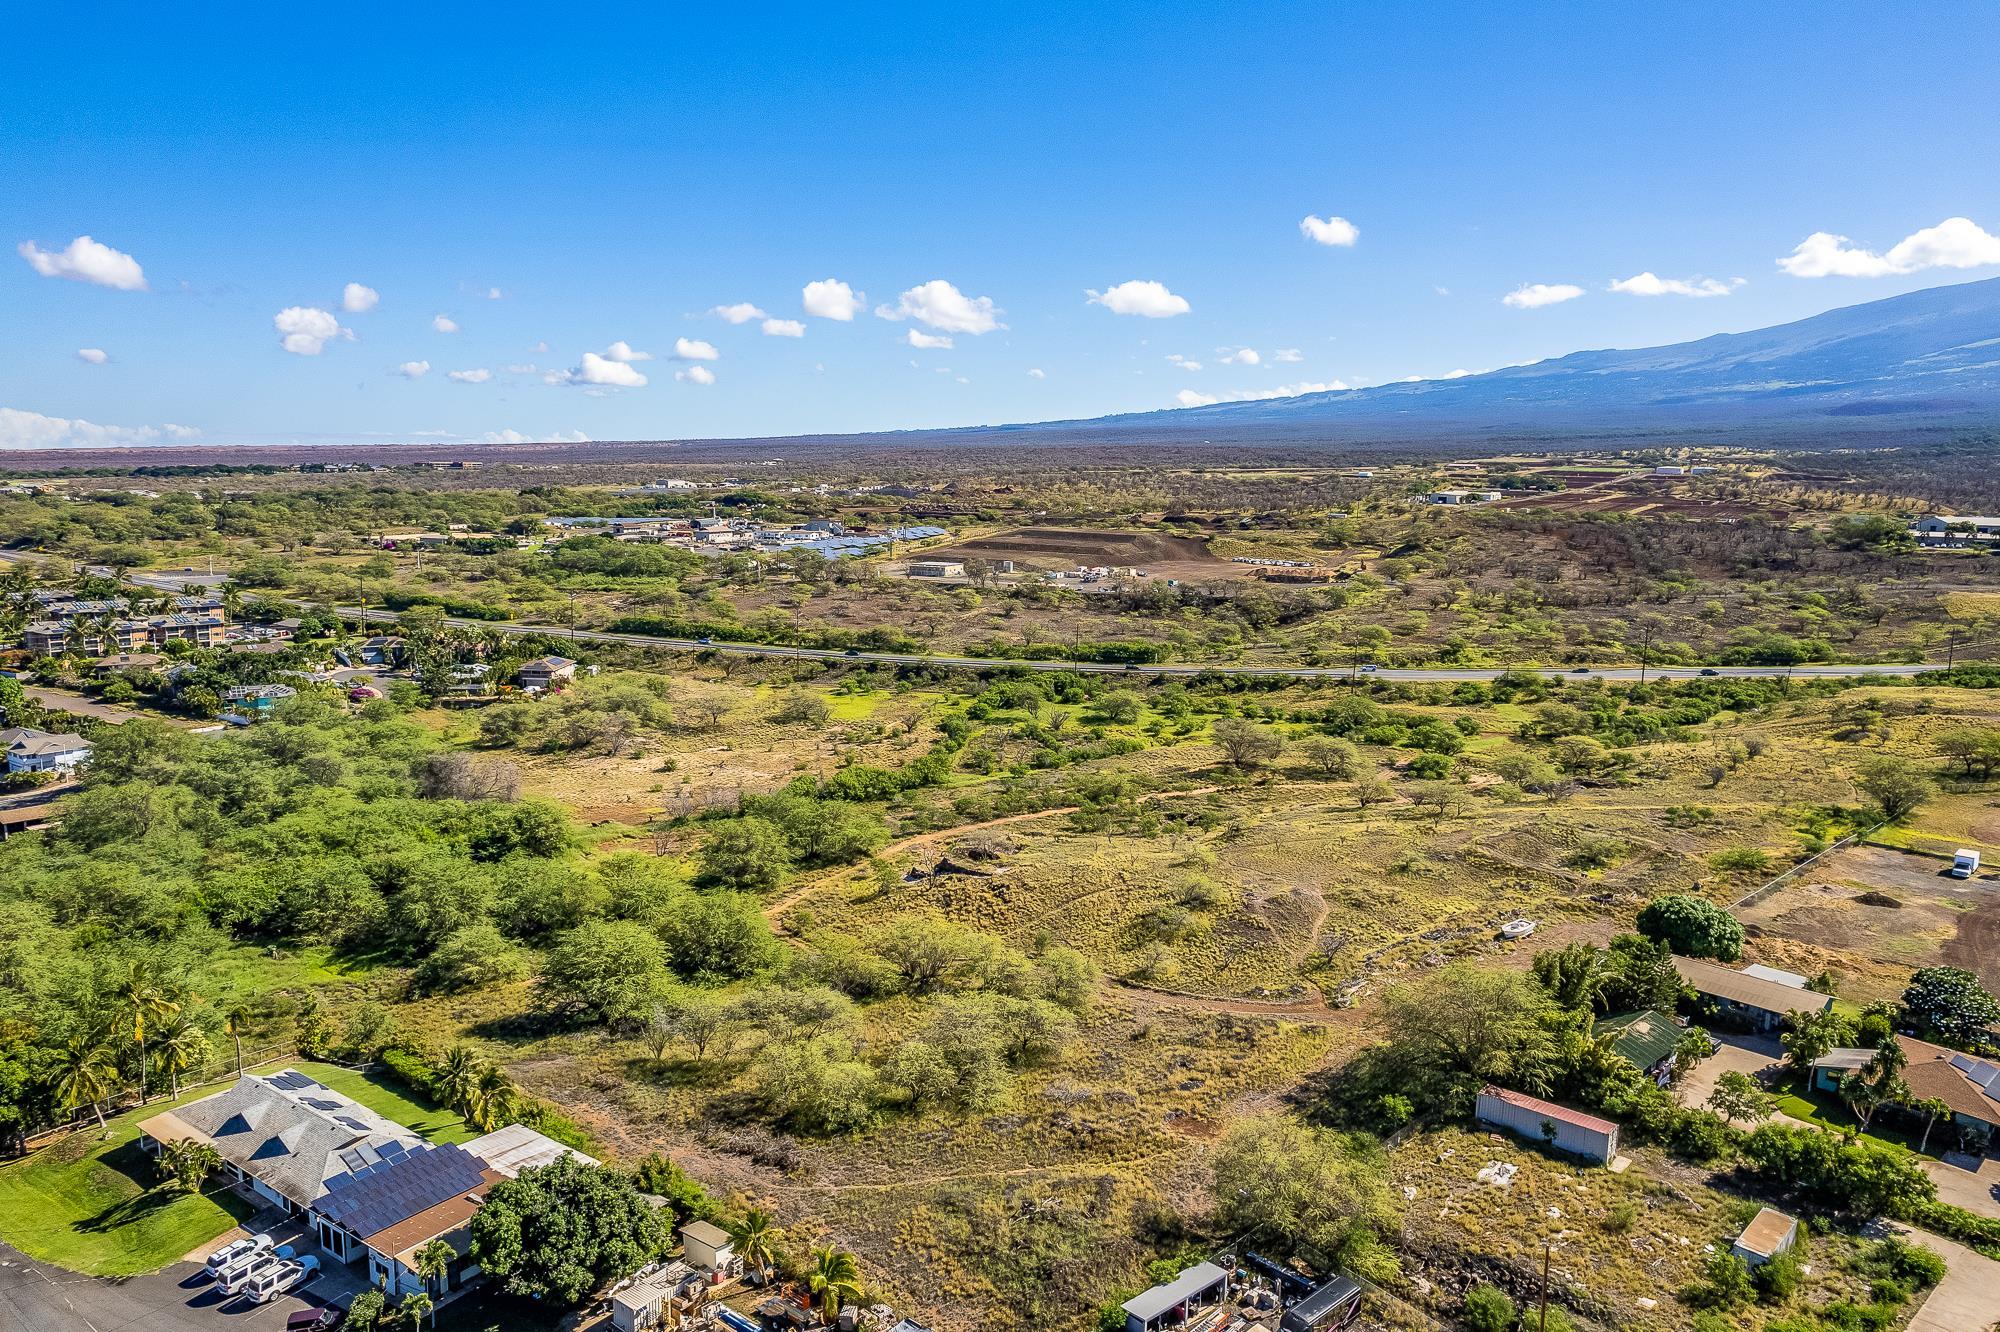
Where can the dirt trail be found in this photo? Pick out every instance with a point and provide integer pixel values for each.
(1299, 1010)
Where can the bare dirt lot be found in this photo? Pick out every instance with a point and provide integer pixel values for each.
(1889, 907)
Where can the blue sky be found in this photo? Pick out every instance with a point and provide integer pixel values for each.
(615, 174)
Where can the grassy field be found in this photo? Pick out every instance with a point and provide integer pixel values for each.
(93, 1203)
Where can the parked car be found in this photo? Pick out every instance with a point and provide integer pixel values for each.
(271, 1282)
(314, 1320)
(232, 1279)
(229, 1254)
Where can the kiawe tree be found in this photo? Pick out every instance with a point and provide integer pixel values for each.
(559, 1231)
(1693, 927)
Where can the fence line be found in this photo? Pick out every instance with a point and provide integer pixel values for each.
(1850, 840)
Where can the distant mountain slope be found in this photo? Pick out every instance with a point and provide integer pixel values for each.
(1932, 353)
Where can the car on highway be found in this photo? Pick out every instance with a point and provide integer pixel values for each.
(1369, 668)
(704, 641)
(1581, 670)
(1710, 670)
(236, 1251)
(852, 652)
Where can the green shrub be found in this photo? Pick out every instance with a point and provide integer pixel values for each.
(1487, 1309)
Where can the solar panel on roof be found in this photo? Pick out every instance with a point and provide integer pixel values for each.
(397, 1190)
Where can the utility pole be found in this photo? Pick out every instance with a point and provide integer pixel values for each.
(1645, 650)
(1548, 1249)
(1950, 649)
(572, 622)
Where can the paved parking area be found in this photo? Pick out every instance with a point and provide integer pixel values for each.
(35, 1297)
(1742, 1054)
(1977, 1190)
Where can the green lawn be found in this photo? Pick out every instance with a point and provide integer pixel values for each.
(1829, 1112)
(92, 1203)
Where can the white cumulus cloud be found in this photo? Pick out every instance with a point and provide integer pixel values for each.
(830, 298)
(1150, 299)
(444, 323)
(929, 341)
(305, 330)
(94, 355)
(696, 374)
(1537, 294)
(32, 430)
(783, 328)
(86, 260)
(357, 299)
(414, 369)
(1329, 230)
(597, 371)
(694, 349)
(479, 376)
(622, 350)
(1190, 398)
(945, 308)
(1956, 242)
(1036, 374)
(740, 313)
(494, 293)
(1288, 355)
(1240, 356)
(1183, 362)
(1649, 284)
(512, 436)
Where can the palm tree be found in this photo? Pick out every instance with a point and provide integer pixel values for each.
(234, 1021)
(492, 1098)
(433, 1261)
(182, 1045)
(415, 1305)
(835, 1276)
(85, 1075)
(458, 1077)
(757, 1237)
(143, 1001)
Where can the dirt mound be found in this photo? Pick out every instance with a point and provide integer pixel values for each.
(1878, 900)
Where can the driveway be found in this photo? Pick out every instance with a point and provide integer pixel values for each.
(38, 1298)
(1977, 1191)
(1968, 1299)
(1739, 1054)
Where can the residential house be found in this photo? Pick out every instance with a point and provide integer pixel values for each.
(381, 650)
(282, 1136)
(546, 673)
(1646, 1039)
(385, 1212)
(1940, 529)
(1170, 1305)
(517, 1147)
(1558, 1126)
(1769, 1234)
(1969, 1085)
(30, 750)
(257, 698)
(1753, 1000)
(118, 663)
(937, 569)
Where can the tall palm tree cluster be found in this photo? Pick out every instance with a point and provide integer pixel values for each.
(478, 1090)
(149, 1019)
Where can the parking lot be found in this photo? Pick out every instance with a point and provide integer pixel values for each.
(180, 1298)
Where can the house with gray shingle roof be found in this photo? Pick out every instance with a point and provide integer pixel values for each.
(283, 1137)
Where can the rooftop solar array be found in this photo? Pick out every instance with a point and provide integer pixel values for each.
(1979, 1073)
(393, 1191)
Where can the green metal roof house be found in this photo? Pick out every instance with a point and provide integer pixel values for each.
(1646, 1037)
